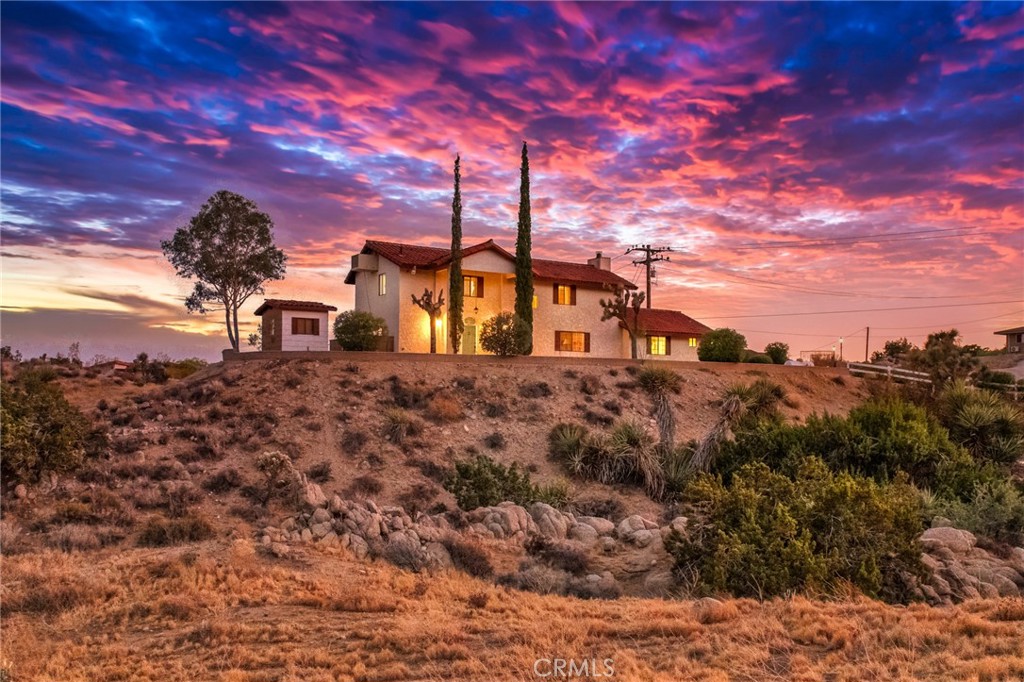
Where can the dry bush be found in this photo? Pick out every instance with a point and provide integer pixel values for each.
(590, 385)
(353, 440)
(12, 538)
(319, 472)
(444, 408)
(1010, 610)
(404, 553)
(224, 481)
(585, 589)
(418, 497)
(495, 441)
(536, 577)
(468, 556)
(301, 411)
(610, 508)
(495, 410)
(75, 537)
(478, 600)
(161, 532)
(365, 485)
(536, 389)
(567, 556)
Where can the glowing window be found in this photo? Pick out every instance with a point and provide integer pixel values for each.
(693, 342)
(382, 284)
(575, 342)
(657, 345)
(473, 287)
(565, 294)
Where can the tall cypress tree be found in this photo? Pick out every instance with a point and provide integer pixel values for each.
(456, 326)
(524, 260)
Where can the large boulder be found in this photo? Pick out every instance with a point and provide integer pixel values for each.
(551, 523)
(601, 525)
(956, 540)
(584, 534)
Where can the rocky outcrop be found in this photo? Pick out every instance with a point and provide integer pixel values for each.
(958, 569)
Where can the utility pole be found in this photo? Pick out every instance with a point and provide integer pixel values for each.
(652, 254)
(867, 343)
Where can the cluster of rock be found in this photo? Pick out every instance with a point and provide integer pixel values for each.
(959, 569)
(365, 528)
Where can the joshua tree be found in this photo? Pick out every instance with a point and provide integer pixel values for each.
(432, 308)
(456, 326)
(625, 306)
(659, 383)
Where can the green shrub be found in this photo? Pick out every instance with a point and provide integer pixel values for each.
(995, 509)
(482, 482)
(721, 345)
(558, 493)
(358, 330)
(757, 359)
(39, 429)
(778, 352)
(760, 399)
(179, 369)
(767, 534)
(504, 334)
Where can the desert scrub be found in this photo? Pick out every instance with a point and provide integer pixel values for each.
(627, 455)
(444, 408)
(482, 482)
(766, 534)
(398, 424)
(161, 532)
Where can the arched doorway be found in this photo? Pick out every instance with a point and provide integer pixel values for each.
(469, 336)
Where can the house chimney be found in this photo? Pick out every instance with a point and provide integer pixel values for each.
(600, 262)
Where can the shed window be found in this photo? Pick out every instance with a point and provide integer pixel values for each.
(575, 342)
(659, 345)
(305, 326)
(382, 284)
(564, 294)
(473, 286)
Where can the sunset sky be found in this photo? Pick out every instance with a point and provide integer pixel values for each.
(799, 158)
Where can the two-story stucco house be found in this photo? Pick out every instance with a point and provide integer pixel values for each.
(567, 312)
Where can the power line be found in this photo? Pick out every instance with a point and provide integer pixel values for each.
(859, 310)
(651, 256)
(783, 242)
(874, 239)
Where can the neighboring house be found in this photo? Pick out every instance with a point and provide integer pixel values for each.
(1014, 339)
(294, 325)
(567, 313)
(667, 335)
(112, 366)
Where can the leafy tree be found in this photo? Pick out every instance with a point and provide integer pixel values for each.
(456, 325)
(625, 307)
(503, 335)
(778, 352)
(359, 330)
(722, 345)
(39, 429)
(524, 258)
(433, 309)
(149, 371)
(944, 358)
(893, 350)
(228, 248)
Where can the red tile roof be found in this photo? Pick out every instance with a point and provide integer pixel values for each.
(661, 321)
(432, 257)
(284, 304)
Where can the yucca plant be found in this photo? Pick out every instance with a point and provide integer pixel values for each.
(760, 399)
(983, 422)
(659, 382)
(633, 455)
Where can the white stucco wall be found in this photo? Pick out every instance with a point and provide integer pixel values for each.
(291, 341)
(585, 316)
(681, 351)
(385, 307)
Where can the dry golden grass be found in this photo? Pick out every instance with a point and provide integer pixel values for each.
(224, 612)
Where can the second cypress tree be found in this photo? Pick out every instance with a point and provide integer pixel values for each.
(456, 326)
(524, 259)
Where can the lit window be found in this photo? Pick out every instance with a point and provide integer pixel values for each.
(657, 345)
(305, 326)
(565, 294)
(382, 284)
(575, 342)
(535, 300)
(473, 287)
(693, 342)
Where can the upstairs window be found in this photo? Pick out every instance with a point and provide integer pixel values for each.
(382, 284)
(473, 286)
(305, 326)
(659, 345)
(564, 294)
(574, 342)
